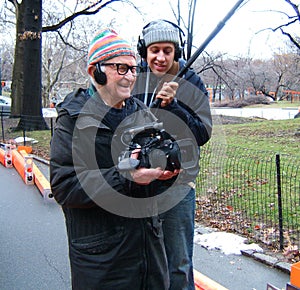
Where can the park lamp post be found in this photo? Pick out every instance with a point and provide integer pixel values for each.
(1, 72)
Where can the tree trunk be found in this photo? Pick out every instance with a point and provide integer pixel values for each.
(17, 77)
(31, 116)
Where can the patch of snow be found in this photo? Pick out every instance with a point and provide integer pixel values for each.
(228, 243)
(27, 139)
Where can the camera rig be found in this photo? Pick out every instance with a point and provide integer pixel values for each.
(156, 148)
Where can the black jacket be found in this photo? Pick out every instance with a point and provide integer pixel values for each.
(189, 116)
(108, 248)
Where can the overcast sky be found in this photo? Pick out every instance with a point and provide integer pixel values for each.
(244, 34)
(238, 37)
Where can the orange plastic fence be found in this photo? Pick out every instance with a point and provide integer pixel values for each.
(202, 282)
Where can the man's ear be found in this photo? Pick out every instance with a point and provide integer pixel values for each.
(91, 70)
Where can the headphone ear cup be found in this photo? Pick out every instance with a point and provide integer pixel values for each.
(100, 76)
(178, 52)
(141, 48)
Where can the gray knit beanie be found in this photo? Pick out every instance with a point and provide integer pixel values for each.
(160, 31)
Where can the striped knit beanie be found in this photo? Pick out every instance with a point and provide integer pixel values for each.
(106, 45)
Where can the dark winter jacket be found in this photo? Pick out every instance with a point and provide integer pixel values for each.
(188, 116)
(109, 248)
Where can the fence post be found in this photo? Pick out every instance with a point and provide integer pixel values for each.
(51, 124)
(279, 200)
(2, 125)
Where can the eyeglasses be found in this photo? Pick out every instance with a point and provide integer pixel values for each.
(122, 68)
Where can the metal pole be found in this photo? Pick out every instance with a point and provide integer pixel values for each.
(2, 125)
(51, 123)
(1, 74)
(280, 218)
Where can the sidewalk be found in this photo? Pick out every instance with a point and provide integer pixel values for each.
(249, 270)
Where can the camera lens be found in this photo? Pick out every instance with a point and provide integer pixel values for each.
(157, 158)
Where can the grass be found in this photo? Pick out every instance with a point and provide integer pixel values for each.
(280, 136)
(241, 174)
(281, 104)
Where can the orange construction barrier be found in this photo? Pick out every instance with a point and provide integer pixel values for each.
(295, 276)
(28, 169)
(40, 180)
(23, 166)
(2, 156)
(5, 156)
(202, 282)
(28, 149)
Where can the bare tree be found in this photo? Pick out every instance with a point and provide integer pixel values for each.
(187, 23)
(286, 68)
(292, 20)
(27, 92)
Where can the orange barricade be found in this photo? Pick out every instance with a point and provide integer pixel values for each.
(28, 170)
(295, 275)
(202, 282)
(2, 156)
(40, 180)
(24, 167)
(5, 156)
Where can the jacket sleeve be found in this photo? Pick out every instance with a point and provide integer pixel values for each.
(200, 130)
(75, 178)
(192, 107)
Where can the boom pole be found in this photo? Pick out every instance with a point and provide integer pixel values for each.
(217, 29)
(191, 60)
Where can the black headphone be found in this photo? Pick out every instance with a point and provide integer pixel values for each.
(141, 45)
(99, 75)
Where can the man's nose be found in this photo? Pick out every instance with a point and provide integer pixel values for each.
(160, 56)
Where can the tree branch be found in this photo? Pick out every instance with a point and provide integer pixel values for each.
(87, 11)
(295, 7)
(291, 38)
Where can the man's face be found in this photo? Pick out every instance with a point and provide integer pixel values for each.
(118, 86)
(160, 57)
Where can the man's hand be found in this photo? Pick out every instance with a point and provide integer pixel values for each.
(169, 174)
(145, 176)
(167, 93)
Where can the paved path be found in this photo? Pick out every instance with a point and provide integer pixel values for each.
(265, 113)
(237, 272)
(33, 252)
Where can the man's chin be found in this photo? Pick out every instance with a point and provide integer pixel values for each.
(125, 93)
(125, 96)
(159, 73)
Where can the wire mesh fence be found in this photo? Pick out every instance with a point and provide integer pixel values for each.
(255, 193)
(21, 125)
